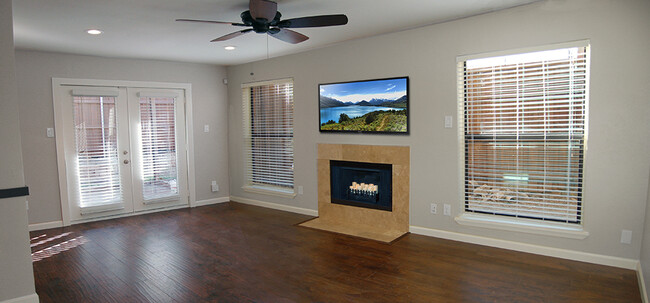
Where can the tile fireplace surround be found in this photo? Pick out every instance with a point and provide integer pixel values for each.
(384, 226)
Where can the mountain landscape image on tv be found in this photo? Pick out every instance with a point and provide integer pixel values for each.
(373, 106)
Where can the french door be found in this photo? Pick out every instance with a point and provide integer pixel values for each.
(124, 149)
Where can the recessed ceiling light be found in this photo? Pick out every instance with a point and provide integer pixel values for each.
(229, 47)
(94, 32)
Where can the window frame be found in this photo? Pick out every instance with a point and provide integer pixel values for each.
(249, 183)
(506, 222)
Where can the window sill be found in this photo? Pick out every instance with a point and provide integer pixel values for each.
(545, 228)
(272, 191)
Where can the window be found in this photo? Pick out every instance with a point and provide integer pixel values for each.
(524, 133)
(158, 135)
(97, 157)
(268, 133)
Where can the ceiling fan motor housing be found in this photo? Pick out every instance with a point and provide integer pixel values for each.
(260, 25)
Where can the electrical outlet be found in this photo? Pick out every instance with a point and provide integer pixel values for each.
(300, 190)
(447, 210)
(206, 128)
(626, 236)
(215, 186)
(434, 208)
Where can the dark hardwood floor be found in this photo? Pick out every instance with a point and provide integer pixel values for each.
(239, 253)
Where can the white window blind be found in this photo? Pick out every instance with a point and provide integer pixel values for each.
(158, 133)
(268, 131)
(524, 133)
(96, 151)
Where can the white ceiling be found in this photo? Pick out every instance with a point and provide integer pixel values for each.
(146, 28)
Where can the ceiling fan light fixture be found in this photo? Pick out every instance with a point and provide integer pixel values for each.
(229, 47)
(94, 31)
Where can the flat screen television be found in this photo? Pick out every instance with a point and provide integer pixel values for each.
(378, 106)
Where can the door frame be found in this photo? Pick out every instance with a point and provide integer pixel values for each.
(57, 83)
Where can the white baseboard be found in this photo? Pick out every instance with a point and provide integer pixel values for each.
(45, 225)
(529, 248)
(211, 201)
(642, 288)
(33, 298)
(293, 209)
(142, 212)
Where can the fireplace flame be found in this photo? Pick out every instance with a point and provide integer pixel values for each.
(371, 189)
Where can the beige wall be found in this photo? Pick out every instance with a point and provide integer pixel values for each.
(34, 73)
(16, 274)
(617, 162)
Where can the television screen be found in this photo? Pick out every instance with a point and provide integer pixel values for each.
(370, 106)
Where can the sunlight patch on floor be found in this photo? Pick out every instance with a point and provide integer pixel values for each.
(47, 240)
(58, 248)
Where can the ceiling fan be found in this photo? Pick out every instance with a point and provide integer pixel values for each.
(263, 17)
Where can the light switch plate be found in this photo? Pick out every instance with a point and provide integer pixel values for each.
(626, 236)
(206, 128)
(448, 121)
(50, 132)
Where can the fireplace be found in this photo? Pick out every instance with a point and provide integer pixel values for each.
(377, 219)
(361, 184)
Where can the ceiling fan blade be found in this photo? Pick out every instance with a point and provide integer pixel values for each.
(287, 35)
(263, 9)
(314, 21)
(210, 21)
(232, 35)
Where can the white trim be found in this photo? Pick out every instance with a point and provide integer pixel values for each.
(571, 231)
(577, 43)
(189, 138)
(272, 191)
(529, 248)
(125, 215)
(642, 288)
(33, 298)
(45, 225)
(59, 125)
(211, 201)
(104, 92)
(54, 224)
(293, 209)
(118, 83)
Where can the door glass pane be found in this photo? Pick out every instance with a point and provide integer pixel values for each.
(158, 133)
(96, 149)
